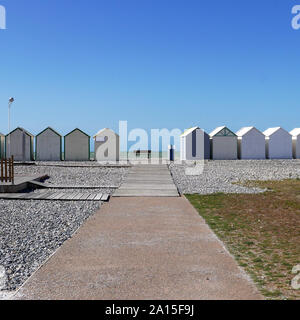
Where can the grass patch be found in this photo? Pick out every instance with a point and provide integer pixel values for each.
(262, 231)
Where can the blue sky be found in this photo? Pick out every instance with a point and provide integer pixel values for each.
(156, 63)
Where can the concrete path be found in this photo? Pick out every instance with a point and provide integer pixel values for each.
(148, 181)
(141, 248)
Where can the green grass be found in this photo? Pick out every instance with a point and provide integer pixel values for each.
(262, 231)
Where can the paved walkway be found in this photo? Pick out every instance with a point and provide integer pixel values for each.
(148, 181)
(141, 248)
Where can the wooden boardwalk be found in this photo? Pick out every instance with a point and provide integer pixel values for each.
(148, 181)
(55, 186)
(59, 196)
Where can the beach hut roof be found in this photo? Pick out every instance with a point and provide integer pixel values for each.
(103, 131)
(295, 132)
(77, 130)
(188, 131)
(23, 130)
(271, 131)
(222, 131)
(49, 128)
(245, 130)
(2, 135)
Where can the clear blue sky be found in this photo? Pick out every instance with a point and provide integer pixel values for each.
(156, 63)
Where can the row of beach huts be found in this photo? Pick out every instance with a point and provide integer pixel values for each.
(247, 143)
(195, 143)
(49, 145)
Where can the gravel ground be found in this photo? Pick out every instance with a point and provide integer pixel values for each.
(218, 176)
(79, 164)
(80, 176)
(30, 231)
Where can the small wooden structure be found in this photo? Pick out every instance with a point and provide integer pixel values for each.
(278, 143)
(107, 145)
(7, 170)
(296, 142)
(223, 144)
(251, 143)
(19, 143)
(48, 145)
(77, 146)
(194, 145)
(2, 145)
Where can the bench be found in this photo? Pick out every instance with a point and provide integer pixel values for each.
(139, 152)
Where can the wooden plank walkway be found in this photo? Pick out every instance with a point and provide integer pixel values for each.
(58, 196)
(54, 186)
(148, 181)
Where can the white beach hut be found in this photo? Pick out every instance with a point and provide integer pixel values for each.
(223, 144)
(251, 143)
(77, 146)
(19, 143)
(194, 145)
(2, 145)
(278, 143)
(48, 145)
(107, 145)
(296, 142)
